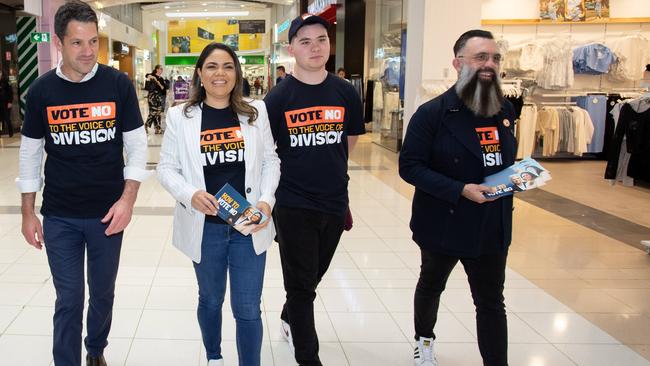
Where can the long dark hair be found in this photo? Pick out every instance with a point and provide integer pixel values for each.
(155, 70)
(197, 91)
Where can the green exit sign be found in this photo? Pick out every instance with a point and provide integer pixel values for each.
(37, 37)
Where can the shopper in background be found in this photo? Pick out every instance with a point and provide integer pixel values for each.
(218, 137)
(6, 98)
(452, 143)
(155, 85)
(316, 118)
(281, 72)
(246, 91)
(341, 73)
(89, 192)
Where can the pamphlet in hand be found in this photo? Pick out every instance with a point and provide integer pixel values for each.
(522, 176)
(236, 211)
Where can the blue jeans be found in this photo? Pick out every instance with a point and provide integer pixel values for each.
(223, 250)
(66, 240)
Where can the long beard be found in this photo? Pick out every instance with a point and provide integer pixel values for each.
(484, 98)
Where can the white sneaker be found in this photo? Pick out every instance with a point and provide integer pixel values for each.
(286, 334)
(423, 354)
(216, 362)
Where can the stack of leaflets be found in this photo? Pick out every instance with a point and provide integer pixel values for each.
(236, 211)
(522, 176)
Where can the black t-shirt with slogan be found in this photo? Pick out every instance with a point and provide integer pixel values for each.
(222, 152)
(310, 124)
(488, 136)
(82, 124)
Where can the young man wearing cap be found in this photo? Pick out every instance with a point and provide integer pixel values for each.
(315, 119)
(84, 115)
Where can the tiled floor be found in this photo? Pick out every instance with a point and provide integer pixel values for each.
(574, 296)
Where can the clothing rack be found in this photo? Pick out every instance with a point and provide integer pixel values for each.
(558, 103)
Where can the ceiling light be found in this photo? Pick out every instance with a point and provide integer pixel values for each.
(166, 6)
(214, 14)
(204, 4)
(242, 5)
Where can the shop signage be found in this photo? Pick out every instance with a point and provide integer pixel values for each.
(191, 60)
(318, 6)
(252, 26)
(38, 37)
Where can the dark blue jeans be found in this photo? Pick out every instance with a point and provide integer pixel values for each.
(66, 240)
(224, 250)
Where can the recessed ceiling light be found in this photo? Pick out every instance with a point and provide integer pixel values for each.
(204, 4)
(199, 14)
(166, 6)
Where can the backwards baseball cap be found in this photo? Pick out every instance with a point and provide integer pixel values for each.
(306, 19)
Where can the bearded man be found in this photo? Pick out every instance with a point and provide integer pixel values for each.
(452, 143)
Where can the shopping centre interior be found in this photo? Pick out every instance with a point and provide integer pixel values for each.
(577, 286)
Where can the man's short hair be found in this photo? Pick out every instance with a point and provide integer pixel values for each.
(72, 10)
(280, 68)
(462, 40)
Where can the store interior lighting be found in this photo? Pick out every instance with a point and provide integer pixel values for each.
(213, 14)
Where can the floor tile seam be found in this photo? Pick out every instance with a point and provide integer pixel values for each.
(374, 291)
(3, 331)
(618, 342)
(142, 309)
(610, 296)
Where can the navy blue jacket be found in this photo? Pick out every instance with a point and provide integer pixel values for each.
(441, 153)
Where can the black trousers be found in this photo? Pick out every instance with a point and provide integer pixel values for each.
(5, 115)
(308, 240)
(486, 276)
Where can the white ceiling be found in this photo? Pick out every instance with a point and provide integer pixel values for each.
(156, 11)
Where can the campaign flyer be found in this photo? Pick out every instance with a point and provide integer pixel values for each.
(236, 211)
(521, 176)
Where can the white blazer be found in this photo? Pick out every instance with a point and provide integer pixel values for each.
(180, 171)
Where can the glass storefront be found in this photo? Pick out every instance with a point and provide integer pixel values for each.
(386, 45)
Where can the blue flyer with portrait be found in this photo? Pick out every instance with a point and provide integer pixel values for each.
(521, 176)
(237, 211)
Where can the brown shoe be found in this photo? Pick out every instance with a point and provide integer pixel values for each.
(95, 361)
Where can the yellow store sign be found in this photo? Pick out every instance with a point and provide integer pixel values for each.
(191, 36)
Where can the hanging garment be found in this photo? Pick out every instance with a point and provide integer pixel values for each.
(526, 131)
(592, 59)
(391, 104)
(633, 54)
(557, 72)
(596, 106)
(370, 98)
(634, 127)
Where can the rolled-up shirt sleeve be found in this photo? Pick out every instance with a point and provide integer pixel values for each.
(30, 160)
(135, 144)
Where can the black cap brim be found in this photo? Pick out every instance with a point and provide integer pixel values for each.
(300, 22)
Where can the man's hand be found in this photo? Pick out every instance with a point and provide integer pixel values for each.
(266, 210)
(9, 105)
(33, 230)
(120, 213)
(205, 202)
(119, 216)
(474, 192)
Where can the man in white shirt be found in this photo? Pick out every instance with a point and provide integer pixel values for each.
(84, 115)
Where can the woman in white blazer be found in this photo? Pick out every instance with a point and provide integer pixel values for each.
(217, 137)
